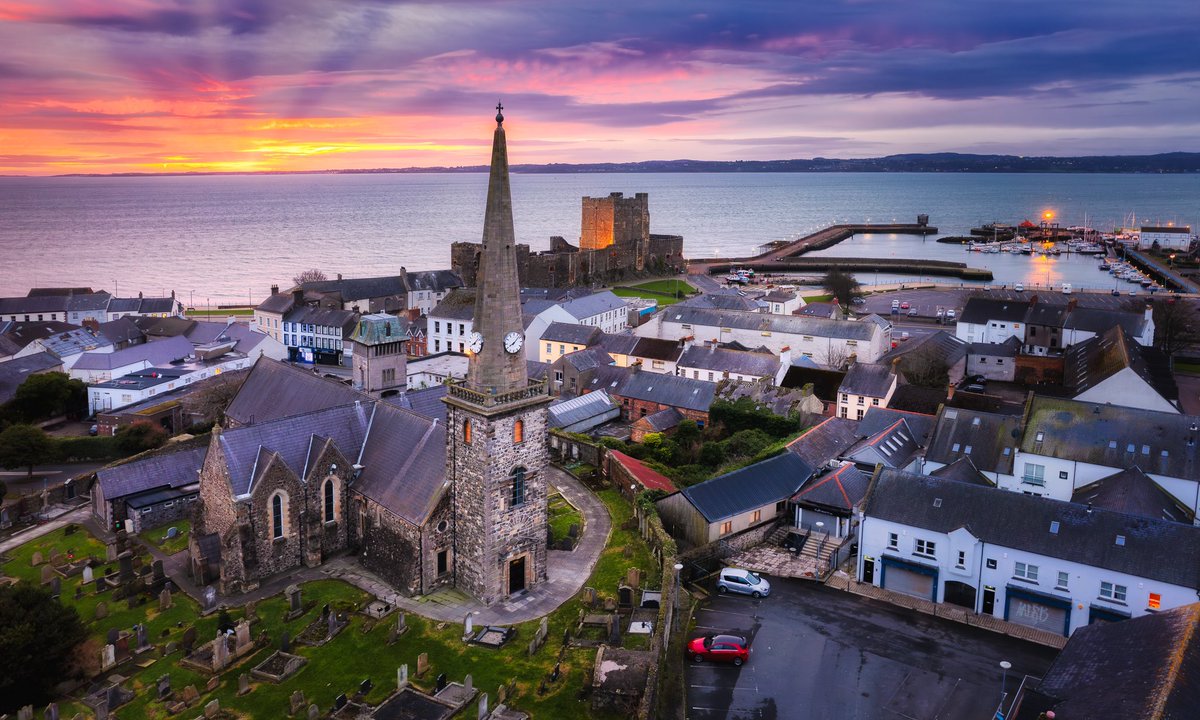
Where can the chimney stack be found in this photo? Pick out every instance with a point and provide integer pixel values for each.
(274, 289)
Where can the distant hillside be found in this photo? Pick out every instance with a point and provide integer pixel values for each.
(1177, 162)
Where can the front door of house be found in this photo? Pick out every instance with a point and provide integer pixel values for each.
(989, 600)
(869, 570)
(516, 575)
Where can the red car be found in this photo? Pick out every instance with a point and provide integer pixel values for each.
(720, 648)
(904, 305)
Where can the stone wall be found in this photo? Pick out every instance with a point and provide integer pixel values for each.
(571, 449)
(389, 546)
(159, 513)
(438, 535)
(614, 220)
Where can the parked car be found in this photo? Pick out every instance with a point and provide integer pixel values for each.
(94, 430)
(859, 301)
(1132, 293)
(904, 336)
(1116, 292)
(977, 379)
(744, 582)
(1019, 287)
(950, 314)
(904, 305)
(975, 388)
(720, 648)
(913, 312)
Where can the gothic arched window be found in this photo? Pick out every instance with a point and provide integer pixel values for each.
(277, 516)
(329, 488)
(518, 486)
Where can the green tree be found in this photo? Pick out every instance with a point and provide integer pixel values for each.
(841, 286)
(24, 446)
(38, 638)
(745, 443)
(48, 395)
(712, 454)
(140, 436)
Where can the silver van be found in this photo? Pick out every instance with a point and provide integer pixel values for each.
(736, 580)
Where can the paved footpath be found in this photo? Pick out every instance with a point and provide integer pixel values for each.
(78, 515)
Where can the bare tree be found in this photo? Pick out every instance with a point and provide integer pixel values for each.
(312, 275)
(836, 356)
(1176, 322)
(841, 286)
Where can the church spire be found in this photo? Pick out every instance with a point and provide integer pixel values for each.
(497, 362)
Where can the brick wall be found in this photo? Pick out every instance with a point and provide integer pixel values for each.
(1032, 369)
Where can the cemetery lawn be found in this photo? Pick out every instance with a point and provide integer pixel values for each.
(158, 537)
(562, 516)
(360, 651)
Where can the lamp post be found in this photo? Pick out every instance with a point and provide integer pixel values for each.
(1004, 668)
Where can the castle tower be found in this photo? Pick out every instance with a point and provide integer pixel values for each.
(496, 422)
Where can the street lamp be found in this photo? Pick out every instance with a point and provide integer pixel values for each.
(1004, 668)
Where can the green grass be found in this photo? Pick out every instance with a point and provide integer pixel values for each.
(671, 287)
(816, 298)
(80, 543)
(664, 291)
(562, 516)
(360, 651)
(1187, 368)
(157, 537)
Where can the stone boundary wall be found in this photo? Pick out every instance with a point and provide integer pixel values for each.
(651, 529)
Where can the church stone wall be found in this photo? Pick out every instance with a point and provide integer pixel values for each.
(389, 545)
(438, 535)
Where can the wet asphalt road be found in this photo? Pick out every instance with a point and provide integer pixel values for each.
(821, 654)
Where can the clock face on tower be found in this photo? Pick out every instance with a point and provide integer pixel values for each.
(512, 342)
(475, 343)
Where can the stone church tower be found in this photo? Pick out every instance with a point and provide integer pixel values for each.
(496, 422)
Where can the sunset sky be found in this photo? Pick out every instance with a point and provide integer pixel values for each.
(99, 86)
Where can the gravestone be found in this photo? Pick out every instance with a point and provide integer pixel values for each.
(589, 596)
(325, 610)
(625, 596)
(36, 559)
(340, 701)
(365, 686)
(483, 708)
(402, 677)
(56, 558)
(610, 604)
(143, 641)
(469, 683)
(401, 623)
(422, 664)
(51, 712)
(108, 657)
(164, 687)
(242, 630)
(123, 646)
(313, 712)
(573, 531)
(220, 653)
(543, 628)
(295, 606)
(501, 694)
(212, 709)
(468, 626)
(243, 684)
(126, 561)
(101, 584)
(157, 569)
(171, 647)
(210, 598)
(285, 642)
(110, 553)
(88, 574)
(440, 682)
(47, 574)
(251, 611)
(190, 694)
(633, 577)
(164, 599)
(213, 683)
(55, 586)
(188, 641)
(296, 702)
(172, 533)
(331, 622)
(25, 713)
(112, 636)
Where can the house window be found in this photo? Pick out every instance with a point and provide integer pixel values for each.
(1063, 580)
(518, 486)
(991, 564)
(277, 516)
(1025, 571)
(389, 376)
(558, 376)
(1034, 475)
(437, 345)
(962, 559)
(780, 506)
(549, 348)
(861, 400)
(875, 402)
(329, 516)
(437, 327)
(710, 375)
(860, 413)
(726, 527)
(844, 412)
(756, 516)
(845, 397)
(893, 541)
(1062, 474)
(1112, 591)
(1154, 602)
(925, 547)
(519, 431)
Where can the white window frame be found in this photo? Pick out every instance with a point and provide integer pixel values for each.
(1113, 592)
(924, 548)
(1025, 571)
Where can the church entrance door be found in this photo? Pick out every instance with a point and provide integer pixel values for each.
(516, 576)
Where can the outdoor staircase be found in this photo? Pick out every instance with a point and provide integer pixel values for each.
(778, 535)
(820, 547)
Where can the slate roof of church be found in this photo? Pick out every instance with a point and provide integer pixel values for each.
(404, 463)
(423, 401)
(275, 389)
(294, 440)
(1146, 668)
(1040, 525)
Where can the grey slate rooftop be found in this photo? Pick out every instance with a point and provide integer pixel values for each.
(1159, 443)
(868, 379)
(1098, 358)
(157, 353)
(404, 463)
(765, 322)
(721, 301)
(670, 390)
(826, 441)
(842, 489)
(988, 439)
(594, 304)
(560, 332)
(735, 362)
(663, 420)
(751, 487)
(587, 359)
(962, 470)
(14, 372)
(1133, 492)
(167, 469)
(276, 389)
(1023, 522)
(426, 402)
(982, 310)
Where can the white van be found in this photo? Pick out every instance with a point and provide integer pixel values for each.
(1066, 288)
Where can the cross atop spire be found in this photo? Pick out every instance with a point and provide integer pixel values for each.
(499, 113)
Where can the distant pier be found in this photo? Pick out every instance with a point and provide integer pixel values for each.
(786, 257)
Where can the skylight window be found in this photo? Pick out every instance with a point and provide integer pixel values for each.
(1054, 527)
(937, 502)
(967, 449)
(954, 448)
(1145, 449)
(1112, 444)
(975, 422)
(1007, 451)
(1130, 448)
(1040, 436)
(1120, 541)
(951, 414)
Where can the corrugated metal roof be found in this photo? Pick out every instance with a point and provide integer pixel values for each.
(584, 407)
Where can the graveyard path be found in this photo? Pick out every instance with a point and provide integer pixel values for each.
(78, 515)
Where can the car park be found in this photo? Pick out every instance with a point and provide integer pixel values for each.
(904, 305)
(743, 582)
(913, 312)
(950, 314)
(719, 648)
